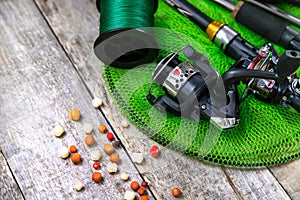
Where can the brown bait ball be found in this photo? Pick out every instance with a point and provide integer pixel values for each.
(144, 197)
(141, 191)
(108, 149)
(102, 128)
(89, 140)
(114, 158)
(116, 143)
(75, 114)
(76, 158)
(97, 177)
(73, 149)
(134, 185)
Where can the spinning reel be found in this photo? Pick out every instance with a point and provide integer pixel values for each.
(194, 89)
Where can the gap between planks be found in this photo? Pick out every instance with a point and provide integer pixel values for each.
(9, 187)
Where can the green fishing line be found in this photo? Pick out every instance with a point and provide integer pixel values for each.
(125, 39)
(116, 14)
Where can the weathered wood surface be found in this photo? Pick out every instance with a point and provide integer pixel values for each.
(288, 176)
(39, 86)
(198, 180)
(8, 187)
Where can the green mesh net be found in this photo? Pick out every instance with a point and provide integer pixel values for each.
(267, 134)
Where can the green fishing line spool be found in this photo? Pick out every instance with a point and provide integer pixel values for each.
(124, 40)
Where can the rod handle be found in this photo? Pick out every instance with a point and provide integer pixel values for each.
(260, 21)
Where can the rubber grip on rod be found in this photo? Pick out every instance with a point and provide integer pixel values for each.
(260, 21)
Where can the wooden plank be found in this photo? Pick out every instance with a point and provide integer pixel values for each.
(256, 184)
(288, 175)
(8, 187)
(38, 88)
(198, 180)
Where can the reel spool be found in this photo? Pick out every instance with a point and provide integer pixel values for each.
(124, 40)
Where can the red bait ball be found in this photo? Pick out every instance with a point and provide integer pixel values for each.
(144, 184)
(110, 136)
(96, 165)
(154, 151)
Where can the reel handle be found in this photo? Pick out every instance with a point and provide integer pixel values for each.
(288, 63)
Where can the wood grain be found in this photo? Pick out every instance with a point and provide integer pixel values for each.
(288, 175)
(8, 187)
(256, 184)
(38, 88)
(198, 180)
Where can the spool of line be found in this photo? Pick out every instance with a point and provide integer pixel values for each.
(124, 40)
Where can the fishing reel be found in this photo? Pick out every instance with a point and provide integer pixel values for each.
(194, 90)
(188, 87)
(276, 81)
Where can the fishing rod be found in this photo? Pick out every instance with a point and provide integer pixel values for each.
(276, 11)
(294, 2)
(255, 17)
(194, 89)
(229, 5)
(221, 34)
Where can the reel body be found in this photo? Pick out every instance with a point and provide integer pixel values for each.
(187, 87)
